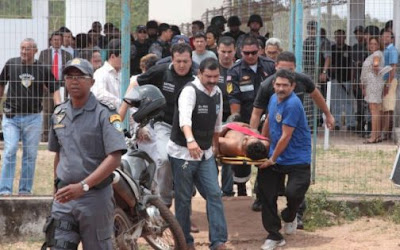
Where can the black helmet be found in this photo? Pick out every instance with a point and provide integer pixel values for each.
(255, 18)
(149, 101)
(234, 21)
(218, 21)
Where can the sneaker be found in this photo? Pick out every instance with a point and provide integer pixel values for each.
(290, 227)
(272, 244)
(300, 224)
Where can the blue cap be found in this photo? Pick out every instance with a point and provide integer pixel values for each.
(179, 39)
(82, 64)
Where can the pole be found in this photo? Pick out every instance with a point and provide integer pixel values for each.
(125, 50)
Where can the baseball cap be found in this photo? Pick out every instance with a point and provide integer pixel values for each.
(179, 38)
(82, 65)
(140, 28)
(358, 29)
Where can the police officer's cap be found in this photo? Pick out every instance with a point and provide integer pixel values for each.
(234, 21)
(255, 18)
(82, 65)
(218, 21)
(152, 24)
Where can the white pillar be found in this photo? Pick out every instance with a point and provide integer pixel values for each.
(396, 24)
(356, 16)
(80, 14)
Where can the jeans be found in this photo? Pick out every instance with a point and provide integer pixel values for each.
(204, 174)
(163, 175)
(342, 100)
(28, 128)
(227, 180)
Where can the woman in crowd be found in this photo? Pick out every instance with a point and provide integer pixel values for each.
(373, 84)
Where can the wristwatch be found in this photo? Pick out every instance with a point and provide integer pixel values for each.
(85, 186)
(190, 139)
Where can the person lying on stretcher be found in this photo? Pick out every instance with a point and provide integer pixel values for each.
(238, 139)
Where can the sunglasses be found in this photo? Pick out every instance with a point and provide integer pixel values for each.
(142, 31)
(247, 53)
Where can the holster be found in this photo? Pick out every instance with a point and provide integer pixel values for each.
(49, 229)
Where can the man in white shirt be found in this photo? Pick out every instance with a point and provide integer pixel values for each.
(67, 40)
(200, 53)
(194, 141)
(107, 85)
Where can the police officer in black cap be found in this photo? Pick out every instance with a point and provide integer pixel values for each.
(218, 22)
(234, 28)
(152, 30)
(255, 23)
(87, 137)
(243, 81)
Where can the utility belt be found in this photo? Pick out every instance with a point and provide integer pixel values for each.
(58, 183)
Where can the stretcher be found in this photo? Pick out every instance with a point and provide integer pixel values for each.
(240, 160)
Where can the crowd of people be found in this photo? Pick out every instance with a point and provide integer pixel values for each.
(210, 80)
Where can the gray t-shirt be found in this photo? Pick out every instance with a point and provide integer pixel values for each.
(200, 57)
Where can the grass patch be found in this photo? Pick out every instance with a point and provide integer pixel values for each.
(324, 212)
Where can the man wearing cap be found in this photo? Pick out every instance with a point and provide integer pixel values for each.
(87, 137)
(359, 53)
(255, 23)
(234, 28)
(142, 44)
(22, 119)
(152, 30)
(161, 47)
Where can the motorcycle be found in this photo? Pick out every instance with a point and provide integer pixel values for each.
(139, 213)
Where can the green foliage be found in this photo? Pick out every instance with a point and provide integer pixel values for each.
(56, 15)
(139, 12)
(16, 9)
(394, 213)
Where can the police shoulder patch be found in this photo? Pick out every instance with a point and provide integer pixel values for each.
(115, 120)
(108, 104)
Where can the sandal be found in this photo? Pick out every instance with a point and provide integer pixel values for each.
(374, 141)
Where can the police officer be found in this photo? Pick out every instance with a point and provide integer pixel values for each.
(88, 140)
(255, 23)
(169, 78)
(161, 47)
(243, 81)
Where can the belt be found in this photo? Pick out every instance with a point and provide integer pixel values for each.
(58, 183)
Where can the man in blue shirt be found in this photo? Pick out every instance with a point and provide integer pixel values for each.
(389, 99)
(290, 154)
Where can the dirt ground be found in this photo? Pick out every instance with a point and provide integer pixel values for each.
(247, 233)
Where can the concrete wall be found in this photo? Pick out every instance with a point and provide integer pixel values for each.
(80, 14)
(180, 11)
(13, 31)
(22, 218)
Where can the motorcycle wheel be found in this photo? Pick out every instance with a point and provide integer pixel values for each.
(122, 224)
(162, 229)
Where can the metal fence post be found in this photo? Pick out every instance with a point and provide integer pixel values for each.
(125, 50)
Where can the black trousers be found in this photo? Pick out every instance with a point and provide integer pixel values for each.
(269, 180)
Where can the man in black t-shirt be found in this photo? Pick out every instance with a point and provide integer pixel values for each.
(304, 85)
(27, 81)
